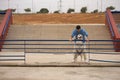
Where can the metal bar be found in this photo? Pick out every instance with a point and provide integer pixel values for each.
(7, 23)
(66, 40)
(110, 26)
(69, 48)
(11, 59)
(109, 53)
(105, 53)
(59, 44)
(89, 52)
(11, 55)
(24, 52)
(105, 61)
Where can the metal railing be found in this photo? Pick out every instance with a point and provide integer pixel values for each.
(98, 47)
(4, 26)
(110, 22)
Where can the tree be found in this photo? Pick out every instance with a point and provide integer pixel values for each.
(95, 11)
(43, 10)
(27, 10)
(83, 9)
(70, 10)
(13, 10)
(3, 10)
(111, 8)
(56, 11)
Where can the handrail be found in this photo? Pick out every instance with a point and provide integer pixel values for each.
(62, 40)
(115, 30)
(7, 24)
(3, 23)
(31, 43)
(110, 26)
(32, 46)
(111, 61)
(3, 12)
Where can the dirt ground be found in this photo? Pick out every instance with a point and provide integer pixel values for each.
(76, 18)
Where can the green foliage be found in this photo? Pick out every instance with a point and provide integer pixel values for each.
(95, 11)
(56, 11)
(3, 10)
(70, 10)
(83, 9)
(13, 10)
(43, 10)
(111, 8)
(27, 10)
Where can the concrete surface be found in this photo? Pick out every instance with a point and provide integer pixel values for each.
(37, 59)
(59, 73)
(55, 31)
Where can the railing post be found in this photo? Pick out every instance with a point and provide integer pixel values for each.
(89, 52)
(24, 52)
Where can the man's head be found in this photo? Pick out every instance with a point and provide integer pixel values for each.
(78, 27)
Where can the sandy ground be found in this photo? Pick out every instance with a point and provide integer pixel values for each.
(98, 18)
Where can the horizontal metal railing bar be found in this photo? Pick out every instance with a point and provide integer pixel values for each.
(112, 61)
(109, 53)
(2, 12)
(12, 56)
(65, 40)
(69, 48)
(57, 44)
(12, 59)
(51, 52)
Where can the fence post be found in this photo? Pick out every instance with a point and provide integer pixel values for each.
(89, 52)
(24, 52)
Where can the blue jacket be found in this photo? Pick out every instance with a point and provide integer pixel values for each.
(82, 32)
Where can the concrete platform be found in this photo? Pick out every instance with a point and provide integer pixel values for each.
(57, 60)
(61, 73)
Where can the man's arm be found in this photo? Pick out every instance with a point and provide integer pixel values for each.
(71, 38)
(72, 35)
(87, 38)
(86, 35)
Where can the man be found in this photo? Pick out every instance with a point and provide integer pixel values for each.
(74, 36)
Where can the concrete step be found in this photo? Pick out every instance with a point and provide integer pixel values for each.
(12, 57)
(55, 32)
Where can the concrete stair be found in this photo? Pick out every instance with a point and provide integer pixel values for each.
(54, 32)
(12, 57)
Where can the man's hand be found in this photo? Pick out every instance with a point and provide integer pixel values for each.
(87, 39)
(70, 39)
